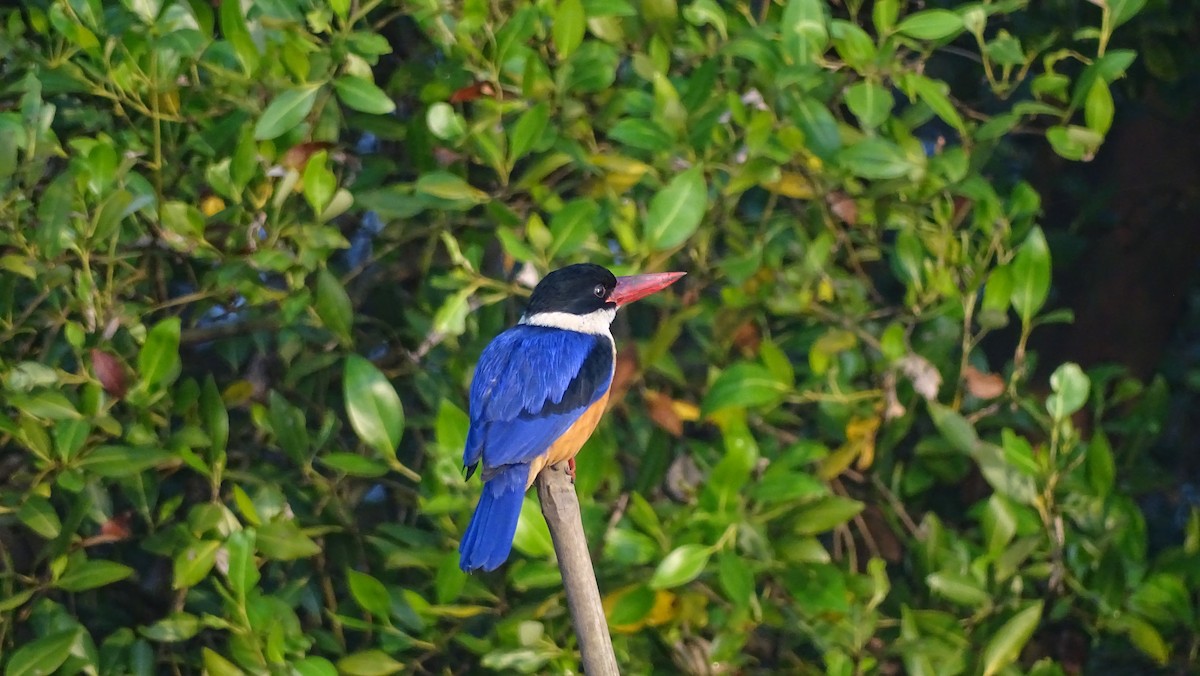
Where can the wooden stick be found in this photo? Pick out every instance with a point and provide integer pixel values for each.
(560, 506)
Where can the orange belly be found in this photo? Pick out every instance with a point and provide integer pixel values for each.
(569, 443)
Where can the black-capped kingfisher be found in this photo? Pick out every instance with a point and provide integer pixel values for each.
(538, 393)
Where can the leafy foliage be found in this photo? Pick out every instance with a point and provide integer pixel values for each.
(252, 251)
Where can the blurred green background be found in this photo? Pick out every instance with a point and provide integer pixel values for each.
(924, 404)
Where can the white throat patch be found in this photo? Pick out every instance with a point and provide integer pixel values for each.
(596, 323)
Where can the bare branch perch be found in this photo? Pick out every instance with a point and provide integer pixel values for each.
(560, 506)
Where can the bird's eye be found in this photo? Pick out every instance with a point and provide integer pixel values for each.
(599, 290)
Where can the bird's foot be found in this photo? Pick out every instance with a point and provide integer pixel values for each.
(571, 469)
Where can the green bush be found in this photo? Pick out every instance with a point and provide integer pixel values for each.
(251, 252)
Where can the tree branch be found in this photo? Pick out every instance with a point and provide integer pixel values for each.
(560, 506)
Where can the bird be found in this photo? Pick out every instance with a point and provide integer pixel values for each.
(539, 390)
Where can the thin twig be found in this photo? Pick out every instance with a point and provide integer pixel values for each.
(560, 506)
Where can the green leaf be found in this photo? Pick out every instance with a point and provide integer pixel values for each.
(1074, 142)
(825, 514)
(997, 295)
(117, 206)
(193, 563)
(290, 426)
(1101, 470)
(1005, 50)
(528, 131)
(233, 27)
(70, 436)
(707, 12)
(319, 182)
(935, 94)
(286, 112)
(176, 627)
(314, 666)
(284, 541)
(533, 535)
(369, 594)
(353, 464)
(629, 547)
(853, 44)
(568, 27)
(641, 134)
(1070, 387)
(55, 231)
(47, 404)
(931, 24)
(818, 589)
(363, 95)
(820, 127)
(632, 606)
(960, 589)
(373, 407)
(90, 574)
(215, 416)
(1164, 599)
(870, 103)
(44, 655)
(743, 385)
(1124, 10)
(682, 565)
(158, 361)
(1098, 108)
(16, 600)
(243, 569)
(884, 15)
(450, 429)
(447, 186)
(115, 462)
(216, 665)
(875, 158)
(999, 524)
(182, 225)
(571, 226)
(730, 477)
(368, 663)
(592, 68)
(333, 305)
(676, 210)
(736, 578)
(1005, 646)
(805, 28)
(444, 122)
(1148, 639)
(38, 514)
(1031, 275)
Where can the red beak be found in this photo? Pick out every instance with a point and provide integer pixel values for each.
(633, 287)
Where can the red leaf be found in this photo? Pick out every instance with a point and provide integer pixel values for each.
(472, 92)
(109, 372)
(297, 156)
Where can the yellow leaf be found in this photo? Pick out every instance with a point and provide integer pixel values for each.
(620, 173)
(238, 393)
(212, 205)
(686, 410)
(663, 611)
(860, 445)
(823, 351)
(825, 290)
(791, 184)
(168, 102)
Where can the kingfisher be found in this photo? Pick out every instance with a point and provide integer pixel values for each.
(538, 393)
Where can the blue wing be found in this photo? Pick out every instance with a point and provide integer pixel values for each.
(532, 383)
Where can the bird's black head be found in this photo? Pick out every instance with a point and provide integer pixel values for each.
(579, 289)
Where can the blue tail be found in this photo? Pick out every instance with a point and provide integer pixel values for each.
(489, 536)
